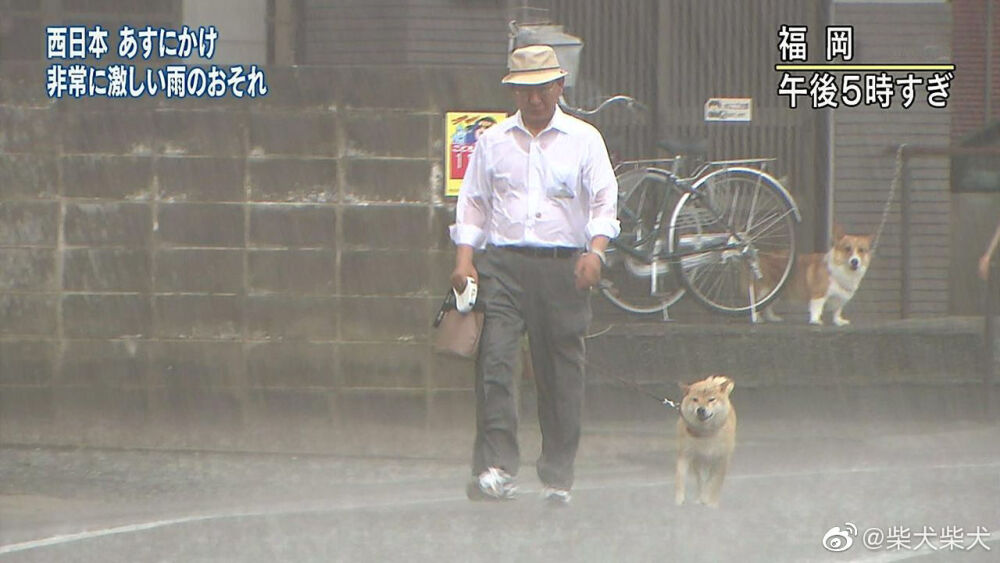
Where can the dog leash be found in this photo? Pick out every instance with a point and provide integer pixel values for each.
(630, 384)
(892, 192)
(635, 386)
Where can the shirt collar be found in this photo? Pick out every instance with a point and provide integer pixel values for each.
(560, 122)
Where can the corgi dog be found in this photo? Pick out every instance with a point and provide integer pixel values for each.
(829, 281)
(706, 438)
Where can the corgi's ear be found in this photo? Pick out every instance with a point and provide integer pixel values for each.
(684, 387)
(726, 385)
(838, 232)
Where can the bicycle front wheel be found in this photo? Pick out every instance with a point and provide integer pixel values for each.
(746, 221)
(631, 284)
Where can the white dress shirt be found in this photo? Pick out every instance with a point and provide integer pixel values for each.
(555, 189)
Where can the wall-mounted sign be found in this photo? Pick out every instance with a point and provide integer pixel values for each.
(462, 128)
(729, 109)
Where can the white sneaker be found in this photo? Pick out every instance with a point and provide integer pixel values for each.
(492, 484)
(558, 497)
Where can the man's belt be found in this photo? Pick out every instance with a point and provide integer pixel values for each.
(544, 251)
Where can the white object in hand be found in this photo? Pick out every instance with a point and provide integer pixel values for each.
(465, 301)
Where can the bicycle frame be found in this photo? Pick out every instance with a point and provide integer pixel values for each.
(681, 186)
(700, 227)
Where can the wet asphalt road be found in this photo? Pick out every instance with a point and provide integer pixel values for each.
(793, 479)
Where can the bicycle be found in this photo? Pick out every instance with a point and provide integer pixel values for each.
(724, 233)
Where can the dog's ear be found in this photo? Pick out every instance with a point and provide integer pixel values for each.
(684, 387)
(725, 385)
(838, 231)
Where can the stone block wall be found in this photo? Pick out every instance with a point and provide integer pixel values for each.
(224, 273)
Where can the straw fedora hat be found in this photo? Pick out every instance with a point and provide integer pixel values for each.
(533, 64)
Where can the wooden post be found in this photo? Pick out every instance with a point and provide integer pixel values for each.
(990, 306)
(990, 297)
(284, 32)
(904, 236)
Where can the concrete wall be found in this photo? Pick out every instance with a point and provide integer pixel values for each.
(411, 32)
(227, 273)
(242, 26)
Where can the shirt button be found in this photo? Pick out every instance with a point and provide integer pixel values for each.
(538, 215)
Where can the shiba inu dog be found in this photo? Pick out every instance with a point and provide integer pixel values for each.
(829, 281)
(706, 437)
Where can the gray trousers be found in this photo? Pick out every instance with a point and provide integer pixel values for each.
(537, 295)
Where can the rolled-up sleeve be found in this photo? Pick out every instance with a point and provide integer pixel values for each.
(603, 190)
(473, 208)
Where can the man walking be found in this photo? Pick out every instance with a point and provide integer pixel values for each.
(539, 199)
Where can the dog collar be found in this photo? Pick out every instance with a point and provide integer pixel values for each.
(698, 434)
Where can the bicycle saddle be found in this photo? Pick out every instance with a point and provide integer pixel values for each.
(684, 147)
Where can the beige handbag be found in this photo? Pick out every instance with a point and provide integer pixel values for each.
(457, 333)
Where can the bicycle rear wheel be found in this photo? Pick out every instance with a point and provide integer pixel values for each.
(629, 283)
(753, 218)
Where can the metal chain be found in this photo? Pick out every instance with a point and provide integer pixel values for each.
(892, 191)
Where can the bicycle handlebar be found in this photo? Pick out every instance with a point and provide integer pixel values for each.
(630, 102)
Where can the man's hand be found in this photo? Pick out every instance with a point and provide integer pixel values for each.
(464, 268)
(459, 275)
(587, 271)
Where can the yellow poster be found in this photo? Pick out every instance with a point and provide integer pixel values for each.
(462, 128)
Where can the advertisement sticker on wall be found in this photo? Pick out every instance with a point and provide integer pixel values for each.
(462, 128)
